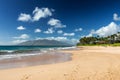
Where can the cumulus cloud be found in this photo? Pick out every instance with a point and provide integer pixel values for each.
(23, 36)
(79, 29)
(49, 31)
(21, 28)
(38, 13)
(110, 29)
(59, 31)
(56, 23)
(104, 31)
(24, 17)
(115, 17)
(38, 30)
(18, 41)
(69, 34)
(41, 13)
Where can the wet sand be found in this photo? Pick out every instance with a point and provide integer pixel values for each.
(88, 63)
(40, 59)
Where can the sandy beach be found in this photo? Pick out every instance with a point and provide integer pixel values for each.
(88, 63)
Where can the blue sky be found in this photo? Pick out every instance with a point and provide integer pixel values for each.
(63, 20)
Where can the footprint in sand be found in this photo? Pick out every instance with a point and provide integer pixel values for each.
(74, 73)
(26, 77)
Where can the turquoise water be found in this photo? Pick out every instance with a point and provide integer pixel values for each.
(7, 52)
(21, 56)
(25, 47)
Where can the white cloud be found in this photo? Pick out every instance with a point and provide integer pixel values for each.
(49, 31)
(74, 41)
(115, 17)
(82, 36)
(53, 22)
(41, 13)
(104, 31)
(24, 17)
(79, 29)
(56, 23)
(69, 34)
(23, 36)
(60, 32)
(54, 38)
(37, 30)
(18, 41)
(64, 39)
(38, 13)
(21, 28)
(91, 33)
(110, 29)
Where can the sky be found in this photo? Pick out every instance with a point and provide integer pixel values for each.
(62, 20)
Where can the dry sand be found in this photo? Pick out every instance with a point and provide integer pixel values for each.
(88, 63)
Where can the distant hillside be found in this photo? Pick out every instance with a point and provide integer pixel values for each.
(44, 42)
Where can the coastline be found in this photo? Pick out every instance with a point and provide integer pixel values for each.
(88, 63)
(51, 57)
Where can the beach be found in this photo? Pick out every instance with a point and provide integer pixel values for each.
(88, 63)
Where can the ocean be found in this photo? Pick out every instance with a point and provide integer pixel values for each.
(21, 56)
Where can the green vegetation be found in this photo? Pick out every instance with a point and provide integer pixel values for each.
(112, 40)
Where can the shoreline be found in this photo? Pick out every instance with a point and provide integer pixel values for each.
(88, 63)
(52, 57)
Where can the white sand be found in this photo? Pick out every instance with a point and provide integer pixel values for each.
(88, 63)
